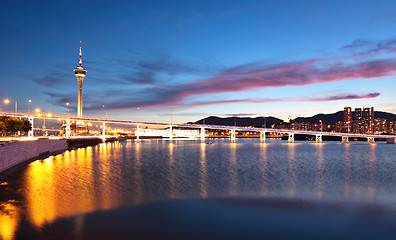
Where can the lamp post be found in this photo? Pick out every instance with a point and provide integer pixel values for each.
(103, 110)
(29, 106)
(49, 115)
(43, 119)
(7, 101)
(67, 113)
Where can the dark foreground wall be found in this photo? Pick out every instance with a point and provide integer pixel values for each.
(13, 153)
(85, 142)
(82, 142)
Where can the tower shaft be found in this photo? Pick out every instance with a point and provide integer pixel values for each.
(80, 103)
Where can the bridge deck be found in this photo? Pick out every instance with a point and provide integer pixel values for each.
(237, 128)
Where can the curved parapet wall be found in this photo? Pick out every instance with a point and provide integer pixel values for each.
(14, 153)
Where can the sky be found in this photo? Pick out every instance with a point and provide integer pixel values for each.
(184, 60)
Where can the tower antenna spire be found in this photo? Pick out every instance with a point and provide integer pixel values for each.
(80, 60)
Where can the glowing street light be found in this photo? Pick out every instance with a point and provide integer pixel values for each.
(29, 106)
(7, 101)
(68, 112)
(103, 110)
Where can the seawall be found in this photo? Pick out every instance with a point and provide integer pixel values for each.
(14, 153)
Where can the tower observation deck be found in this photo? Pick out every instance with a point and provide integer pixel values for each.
(80, 72)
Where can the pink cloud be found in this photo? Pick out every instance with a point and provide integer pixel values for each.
(263, 75)
(336, 97)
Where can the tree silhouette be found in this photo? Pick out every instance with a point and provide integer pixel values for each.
(14, 125)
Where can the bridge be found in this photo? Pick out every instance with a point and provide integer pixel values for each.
(202, 127)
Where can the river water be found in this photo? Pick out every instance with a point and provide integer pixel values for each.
(189, 190)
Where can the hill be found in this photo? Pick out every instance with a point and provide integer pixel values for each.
(237, 121)
(331, 118)
(339, 116)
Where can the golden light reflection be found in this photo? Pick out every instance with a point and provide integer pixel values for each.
(105, 170)
(84, 186)
(203, 173)
(320, 170)
(171, 173)
(64, 185)
(9, 220)
(40, 193)
(347, 174)
(291, 171)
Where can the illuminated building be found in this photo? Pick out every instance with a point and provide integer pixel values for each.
(368, 120)
(364, 120)
(347, 119)
(358, 126)
(381, 125)
(392, 127)
(80, 72)
(338, 126)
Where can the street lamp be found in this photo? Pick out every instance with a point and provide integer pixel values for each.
(103, 110)
(29, 106)
(68, 112)
(7, 101)
(48, 115)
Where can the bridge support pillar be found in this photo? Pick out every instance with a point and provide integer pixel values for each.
(67, 128)
(202, 135)
(370, 140)
(262, 136)
(137, 133)
(318, 138)
(171, 134)
(233, 135)
(345, 139)
(103, 132)
(31, 132)
(291, 138)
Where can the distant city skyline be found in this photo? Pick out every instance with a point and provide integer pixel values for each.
(188, 60)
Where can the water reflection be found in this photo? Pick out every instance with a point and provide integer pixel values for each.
(347, 172)
(203, 173)
(171, 178)
(111, 175)
(291, 171)
(67, 185)
(372, 172)
(233, 169)
(263, 168)
(137, 176)
(106, 198)
(9, 219)
(319, 170)
(40, 192)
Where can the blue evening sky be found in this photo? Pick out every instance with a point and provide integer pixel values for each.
(192, 59)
